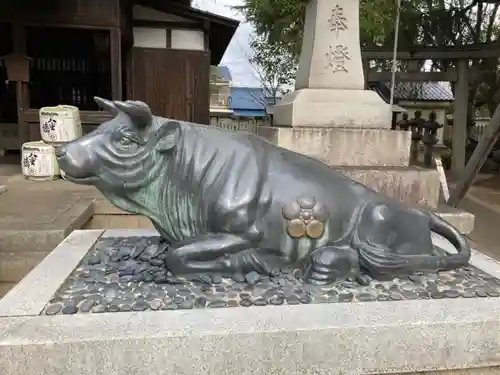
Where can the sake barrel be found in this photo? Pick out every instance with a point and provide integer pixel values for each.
(39, 161)
(60, 124)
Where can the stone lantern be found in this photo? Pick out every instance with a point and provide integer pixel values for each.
(329, 88)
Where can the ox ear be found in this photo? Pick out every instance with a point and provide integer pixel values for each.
(139, 112)
(168, 136)
(107, 105)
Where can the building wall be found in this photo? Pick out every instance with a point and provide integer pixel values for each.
(168, 36)
(426, 108)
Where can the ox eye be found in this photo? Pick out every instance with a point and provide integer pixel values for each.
(126, 141)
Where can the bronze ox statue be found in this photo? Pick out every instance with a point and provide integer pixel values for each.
(231, 203)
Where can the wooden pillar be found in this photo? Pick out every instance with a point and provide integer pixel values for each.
(366, 71)
(459, 134)
(116, 63)
(22, 91)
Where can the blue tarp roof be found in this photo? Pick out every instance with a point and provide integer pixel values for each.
(248, 98)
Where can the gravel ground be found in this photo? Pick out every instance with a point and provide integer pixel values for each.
(127, 274)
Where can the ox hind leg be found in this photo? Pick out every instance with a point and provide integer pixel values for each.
(333, 263)
(221, 253)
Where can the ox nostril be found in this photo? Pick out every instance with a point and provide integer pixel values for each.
(60, 151)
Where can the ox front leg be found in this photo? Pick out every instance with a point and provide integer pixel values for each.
(334, 263)
(222, 253)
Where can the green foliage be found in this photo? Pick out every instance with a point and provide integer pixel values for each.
(274, 65)
(422, 23)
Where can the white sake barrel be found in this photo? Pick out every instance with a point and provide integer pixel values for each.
(60, 124)
(39, 161)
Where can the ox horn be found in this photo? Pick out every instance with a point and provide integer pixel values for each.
(107, 105)
(139, 112)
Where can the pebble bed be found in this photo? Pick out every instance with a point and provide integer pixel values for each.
(127, 274)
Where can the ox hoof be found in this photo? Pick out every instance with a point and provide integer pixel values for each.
(329, 265)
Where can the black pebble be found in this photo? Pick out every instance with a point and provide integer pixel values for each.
(437, 295)
(125, 278)
(276, 300)
(156, 262)
(304, 298)
(160, 279)
(99, 309)
(260, 302)
(86, 306)
(178, 300)
(245, 303)
(395, 296)
(292, 300)
(423, 295)
(245, 295)
(345, 297)
(187, 304)
(366, 297)
(53, 309)
(216, 278)
(492, 292)
(409, 294)
(155, 304)
(174, 280)
(252, 278)
(113, 308)
(383, 297)
(170, 306)
(70, 309)
(217, 303)
(238, 277)
(451, 294)
(200, 302)
(125, 308)
(481, 293)
(275, 272)
(93, 260)
(468, 294)
(140, 306)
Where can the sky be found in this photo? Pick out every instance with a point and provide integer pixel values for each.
(238, 51)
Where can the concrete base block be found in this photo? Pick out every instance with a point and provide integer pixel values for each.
(451, 336)
(462, 220)
(3, 189)
(333, 108)
(344, 147)
(412, 185)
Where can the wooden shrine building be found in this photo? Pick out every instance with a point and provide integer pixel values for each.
(68, 51)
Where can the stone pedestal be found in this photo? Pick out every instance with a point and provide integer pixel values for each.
(330, 78)
(332, 108)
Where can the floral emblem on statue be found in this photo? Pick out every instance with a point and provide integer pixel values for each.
(306, 217)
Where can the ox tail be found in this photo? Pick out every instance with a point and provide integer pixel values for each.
(381, 262)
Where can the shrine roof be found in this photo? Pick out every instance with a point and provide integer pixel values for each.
(421, 91)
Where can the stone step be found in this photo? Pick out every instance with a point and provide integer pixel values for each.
(412, 185)
(344, 146)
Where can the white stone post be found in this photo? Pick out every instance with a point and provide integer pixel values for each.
(330, 79)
